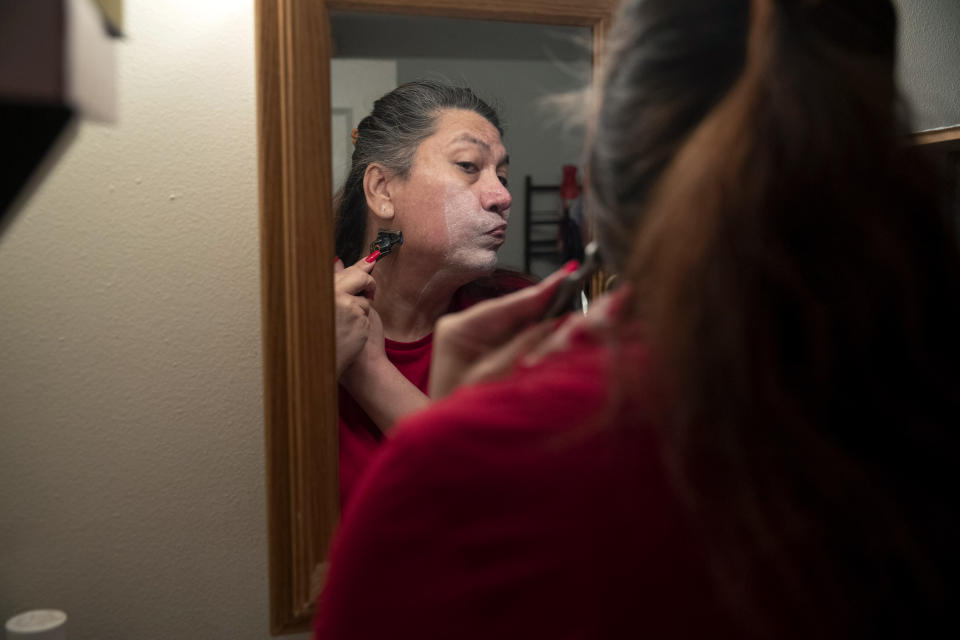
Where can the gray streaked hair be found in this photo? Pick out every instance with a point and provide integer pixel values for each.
(390, 136)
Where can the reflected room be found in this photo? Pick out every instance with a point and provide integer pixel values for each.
(515, 67)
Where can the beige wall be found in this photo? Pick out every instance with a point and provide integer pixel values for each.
(131, 420)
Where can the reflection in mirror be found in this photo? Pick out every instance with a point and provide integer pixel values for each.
(294, 101)
(450, 202)
(513, 66)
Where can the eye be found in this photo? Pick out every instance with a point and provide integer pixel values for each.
(469, 167)
(504, 181)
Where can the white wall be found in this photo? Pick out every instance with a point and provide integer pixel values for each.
(929, 68)
(354, 86)
(131, 431)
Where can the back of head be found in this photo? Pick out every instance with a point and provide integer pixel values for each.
(800, 287)
(390, 135)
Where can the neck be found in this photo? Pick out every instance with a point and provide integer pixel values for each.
(411, 297)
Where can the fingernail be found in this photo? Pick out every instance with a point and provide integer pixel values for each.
(336, 259)
(571, 266)
(373, 256)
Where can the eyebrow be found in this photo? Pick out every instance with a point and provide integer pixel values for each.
(466, 137)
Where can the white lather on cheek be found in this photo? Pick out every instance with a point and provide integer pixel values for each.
(467, 223)
(464, 218)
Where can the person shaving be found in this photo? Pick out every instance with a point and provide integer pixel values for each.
(429, 166)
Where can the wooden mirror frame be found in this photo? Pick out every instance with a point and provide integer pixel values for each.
(296, 258)
(945, 139)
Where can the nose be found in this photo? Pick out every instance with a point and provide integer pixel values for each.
(495, 197)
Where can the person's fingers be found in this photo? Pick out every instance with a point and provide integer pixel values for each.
(354, 310)
(558, 340)
(529, 300)
(500, 362)
(360, 265)
(363, 304)
(363, 265)
(603, 316)
(506, 313)
(526, 304)
(360, 308)
(495, 365)
(370, 285)
(354, 281)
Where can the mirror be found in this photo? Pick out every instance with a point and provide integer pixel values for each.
(294, 48)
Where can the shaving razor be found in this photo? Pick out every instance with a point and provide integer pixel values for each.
(386, 242)
(565, 298)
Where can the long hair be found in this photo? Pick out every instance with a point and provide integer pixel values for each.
(390, 135)
(799, 284)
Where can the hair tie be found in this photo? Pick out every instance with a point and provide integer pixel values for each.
(353, 134)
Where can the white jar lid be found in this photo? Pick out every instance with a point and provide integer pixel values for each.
(39, 624)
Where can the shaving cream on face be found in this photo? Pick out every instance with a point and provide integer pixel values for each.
(469, 242)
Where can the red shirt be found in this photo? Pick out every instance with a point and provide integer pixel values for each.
(534, 507)
(359, 436)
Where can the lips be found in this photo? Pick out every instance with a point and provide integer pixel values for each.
(499, 232)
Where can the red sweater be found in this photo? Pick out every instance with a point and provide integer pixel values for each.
(535, 507)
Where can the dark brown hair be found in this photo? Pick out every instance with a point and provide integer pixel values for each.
(799, 285)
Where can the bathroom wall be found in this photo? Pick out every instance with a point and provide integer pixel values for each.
(131, 421)
(929, 68)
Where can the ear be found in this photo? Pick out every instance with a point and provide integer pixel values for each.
(376, 187)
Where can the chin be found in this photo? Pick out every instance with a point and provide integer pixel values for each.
(475, 263)
(469, 265)
(486, 267)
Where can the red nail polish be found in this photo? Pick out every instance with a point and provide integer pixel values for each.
(571, 266)
(335, 258)
(373, 256)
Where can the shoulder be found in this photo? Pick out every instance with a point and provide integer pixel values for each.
(483, 439)
(516, 492)
(560, 392)
(522, 437)
(587, 404)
